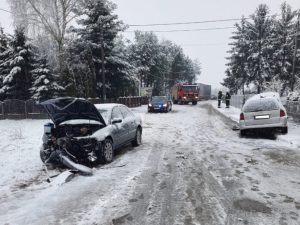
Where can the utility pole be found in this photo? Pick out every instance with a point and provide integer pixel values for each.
(139, 84)
(103, 74)
(103, 67)
(243, 59)
(297, 35)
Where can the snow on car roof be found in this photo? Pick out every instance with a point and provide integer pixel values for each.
(261, 104)
(274, 95)
(106, 106)
(266, 95)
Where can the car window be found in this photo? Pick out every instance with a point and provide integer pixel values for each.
(263, 104)
(159, 99)
(189, 88)
(104, 114)
(116, 113)
(125, 112)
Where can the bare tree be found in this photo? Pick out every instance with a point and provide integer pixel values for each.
(46, 17)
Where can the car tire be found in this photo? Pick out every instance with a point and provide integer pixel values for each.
(107, 151)
(138, 137)
(284, 130)
(194, 103)
(243, 133)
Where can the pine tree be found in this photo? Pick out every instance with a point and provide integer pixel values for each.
(230, 81)
(144, 53)
(4, 55)
(81, 68)
(3, 41)
(17, 82)
(121, 72)
(260, 47)
(178, 68)
(237, 71)
(44, 85)
(283, 44)
(99, 29)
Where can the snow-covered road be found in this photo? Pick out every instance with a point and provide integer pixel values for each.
(192, 168)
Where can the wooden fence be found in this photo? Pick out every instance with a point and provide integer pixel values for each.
(18, 109)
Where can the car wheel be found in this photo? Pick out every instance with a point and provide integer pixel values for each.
(107, 153)
(194, 103)
(138, 137)
(243, 133)
(284, 130)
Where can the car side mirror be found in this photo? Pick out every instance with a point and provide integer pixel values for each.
(116, 120)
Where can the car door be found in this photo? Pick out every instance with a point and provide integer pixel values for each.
(130, 122)
(119, 131)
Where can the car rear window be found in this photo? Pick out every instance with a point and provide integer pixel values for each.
(263, 104)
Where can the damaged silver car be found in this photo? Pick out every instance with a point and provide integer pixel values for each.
(80, 138)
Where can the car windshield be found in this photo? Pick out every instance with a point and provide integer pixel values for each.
(189, 88)
(159, 99)
(104, 114)
(263, 104)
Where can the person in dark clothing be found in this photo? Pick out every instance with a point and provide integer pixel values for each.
(227, 99)
(220, 95)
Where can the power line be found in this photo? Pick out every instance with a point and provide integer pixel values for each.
(183, 23)
(194, 22)
(225, 43)
(200, 44)
(183, 30)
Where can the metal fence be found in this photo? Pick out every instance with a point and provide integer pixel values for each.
(293, 109)
(18, 109)
(238, 100)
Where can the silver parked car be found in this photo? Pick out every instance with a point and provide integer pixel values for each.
(263, 112)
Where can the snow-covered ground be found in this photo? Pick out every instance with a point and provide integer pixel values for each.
(192, 168)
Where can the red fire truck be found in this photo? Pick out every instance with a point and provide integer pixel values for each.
(185, 93)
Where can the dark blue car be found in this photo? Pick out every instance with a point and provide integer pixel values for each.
(160, 104)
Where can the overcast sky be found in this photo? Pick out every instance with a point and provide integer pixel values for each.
(209, 47)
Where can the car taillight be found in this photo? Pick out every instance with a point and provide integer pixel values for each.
(282, 113)
(242, 117)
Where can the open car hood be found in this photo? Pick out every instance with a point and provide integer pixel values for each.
(64, 109)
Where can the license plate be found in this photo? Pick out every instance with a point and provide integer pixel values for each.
(261, 117)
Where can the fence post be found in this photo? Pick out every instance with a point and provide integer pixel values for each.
(26, 111)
